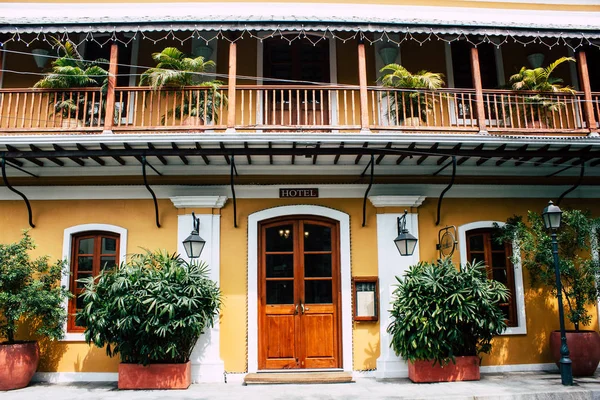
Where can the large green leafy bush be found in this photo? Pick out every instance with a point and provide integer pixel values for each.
(441, 312)
(579, 271)
(151, 309)
(30, 292)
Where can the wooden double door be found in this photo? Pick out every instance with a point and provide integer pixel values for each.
(299, 294)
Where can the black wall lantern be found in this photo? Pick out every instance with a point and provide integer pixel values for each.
(194, 244)
(405, 242)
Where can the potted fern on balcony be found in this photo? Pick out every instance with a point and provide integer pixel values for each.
(409, 106)
(71, 71)
(444, 317)
(175, 71)
(536, 106)
(150, 311)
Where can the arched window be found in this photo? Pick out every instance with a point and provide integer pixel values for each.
(483, 246)
(91, 252)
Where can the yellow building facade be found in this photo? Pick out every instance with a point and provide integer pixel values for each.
(300, 177)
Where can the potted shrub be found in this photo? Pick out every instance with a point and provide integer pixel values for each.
(173, 71)
(30, 295)
(579, 273)
(414, 104)
(71, 71)
(444, 318)
(536, 106)
(150, 311)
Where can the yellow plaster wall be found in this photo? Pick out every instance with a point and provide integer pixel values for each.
(541, 308)
(51, 219)
(234, 262)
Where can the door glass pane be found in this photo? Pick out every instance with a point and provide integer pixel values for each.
(498, 260)
(280, 292)
(500, 275)
(496, 245)
(109, 246)
(475, 256)
(476, 243)
(84, 263)
(317, 265)
(86, 246)
(317, 238)
(280, 238)
(318, 292)
(280, 265)
(108, 262)
(81, 285)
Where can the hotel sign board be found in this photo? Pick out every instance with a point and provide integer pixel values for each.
(295, 193)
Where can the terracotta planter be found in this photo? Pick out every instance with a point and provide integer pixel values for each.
(155, 376)
(584, 350)
(19, 362)
(465, 369)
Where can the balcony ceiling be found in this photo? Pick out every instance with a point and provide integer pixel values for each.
(310, 156)
(111, 17)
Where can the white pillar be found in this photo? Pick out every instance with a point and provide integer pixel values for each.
(392, 264)
(207, 365)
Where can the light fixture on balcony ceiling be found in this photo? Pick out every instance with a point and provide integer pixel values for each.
(536, 60)
(284, 233)
(40, 56)
(388, 54)
(202, 50)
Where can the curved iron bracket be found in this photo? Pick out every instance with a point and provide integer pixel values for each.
(12, 189)
(144, 162)
(439, 207)
(233, 168)
(372, 164)
(574, 186)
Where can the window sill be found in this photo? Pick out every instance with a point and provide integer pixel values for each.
(73, 337)
(515, 330)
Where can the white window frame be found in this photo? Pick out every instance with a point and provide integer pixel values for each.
(521, 328)
(67, 251)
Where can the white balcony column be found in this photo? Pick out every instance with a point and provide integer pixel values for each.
(207, 365)
(392, 264)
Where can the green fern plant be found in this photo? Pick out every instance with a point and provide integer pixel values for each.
(151, 309)
(441, 312)
(71, 71)
(417, 104)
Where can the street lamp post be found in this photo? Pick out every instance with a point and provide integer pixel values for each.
(552, 218)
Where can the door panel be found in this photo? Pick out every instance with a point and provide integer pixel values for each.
(299, 273)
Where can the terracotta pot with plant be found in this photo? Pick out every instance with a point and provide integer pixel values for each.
(30, 295)
(579, 272)
(150, 311)
(175, 71)
(444, 317)
(410, 105)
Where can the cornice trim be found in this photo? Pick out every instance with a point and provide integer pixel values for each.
(397, 201)
(199, 201)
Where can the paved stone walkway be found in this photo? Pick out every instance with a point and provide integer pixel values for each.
(519, 386)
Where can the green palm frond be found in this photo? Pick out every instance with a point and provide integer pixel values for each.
(540, 79)
(174, 69)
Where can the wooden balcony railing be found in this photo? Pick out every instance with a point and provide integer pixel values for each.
(327, 108)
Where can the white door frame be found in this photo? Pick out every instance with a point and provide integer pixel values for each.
(345, 279)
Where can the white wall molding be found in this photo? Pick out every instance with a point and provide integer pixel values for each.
(66, 255)
(207, 365)
(521, 329)
(391, 264)
(346, 292)
(199, 201)
(396, 201)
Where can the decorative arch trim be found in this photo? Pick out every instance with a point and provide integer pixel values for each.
(346, 282)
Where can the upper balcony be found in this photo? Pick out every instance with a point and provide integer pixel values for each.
(305, 81)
